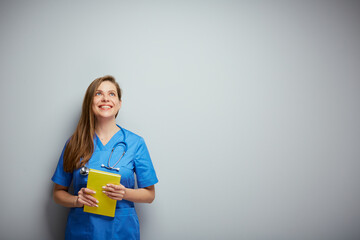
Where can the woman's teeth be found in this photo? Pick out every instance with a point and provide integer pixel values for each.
(105, 107)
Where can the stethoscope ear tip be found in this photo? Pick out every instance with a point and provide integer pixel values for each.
(110, 168)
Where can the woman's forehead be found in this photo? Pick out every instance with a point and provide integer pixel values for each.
(106, 86)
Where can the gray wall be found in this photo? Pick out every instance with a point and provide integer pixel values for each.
(250, 110)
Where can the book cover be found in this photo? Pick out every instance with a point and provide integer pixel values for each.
(96, 180)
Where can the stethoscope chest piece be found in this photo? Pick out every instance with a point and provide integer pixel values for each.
(84, 171)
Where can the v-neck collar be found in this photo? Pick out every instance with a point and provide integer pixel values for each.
(111, 142)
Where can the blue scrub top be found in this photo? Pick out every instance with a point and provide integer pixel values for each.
(125, 224)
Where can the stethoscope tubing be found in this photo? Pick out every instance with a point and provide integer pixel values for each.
(85, 170)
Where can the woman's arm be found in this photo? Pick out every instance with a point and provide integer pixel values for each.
(140, 195)
(63, 197)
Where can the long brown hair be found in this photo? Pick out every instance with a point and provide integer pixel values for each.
(81, 143)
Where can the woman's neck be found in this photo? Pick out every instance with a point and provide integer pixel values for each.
(106, 128)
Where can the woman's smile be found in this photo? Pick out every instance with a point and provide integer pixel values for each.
(105, 107)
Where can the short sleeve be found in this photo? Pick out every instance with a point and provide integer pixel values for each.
(60, 176)
(144, 169)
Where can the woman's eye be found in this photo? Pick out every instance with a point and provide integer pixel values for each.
(112, 94)
(97, 94)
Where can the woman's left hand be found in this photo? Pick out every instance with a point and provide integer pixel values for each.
(116, 192)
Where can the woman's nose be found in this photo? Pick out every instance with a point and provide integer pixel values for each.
(104, 98)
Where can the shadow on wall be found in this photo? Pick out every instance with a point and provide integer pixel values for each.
(55, 216)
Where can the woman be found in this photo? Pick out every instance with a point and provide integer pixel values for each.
(91, 146)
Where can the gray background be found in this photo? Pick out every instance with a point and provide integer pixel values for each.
(250, 110)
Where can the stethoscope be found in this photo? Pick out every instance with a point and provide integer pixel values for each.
(85, 170)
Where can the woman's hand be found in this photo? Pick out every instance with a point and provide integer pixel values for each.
(85, 198)
(116, 192)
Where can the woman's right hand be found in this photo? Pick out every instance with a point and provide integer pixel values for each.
(84, 198)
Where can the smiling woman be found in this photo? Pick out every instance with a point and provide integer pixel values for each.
(106, 101)
(97, 141)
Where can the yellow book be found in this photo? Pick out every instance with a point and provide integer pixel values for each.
(96, 180)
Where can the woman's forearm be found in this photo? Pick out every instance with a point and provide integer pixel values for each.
(63, 197)
(140, 195)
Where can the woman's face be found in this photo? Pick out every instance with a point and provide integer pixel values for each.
(106, 101)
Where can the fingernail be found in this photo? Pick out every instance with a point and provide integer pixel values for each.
(97, 201)
(107, 185)
(104, 191)
(103, 187)
(96, 205)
